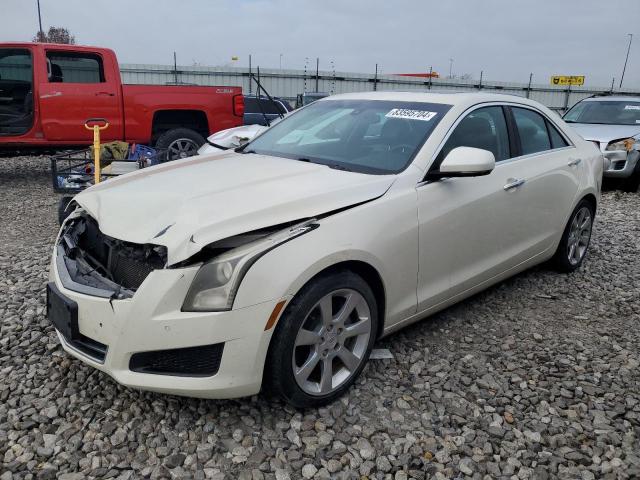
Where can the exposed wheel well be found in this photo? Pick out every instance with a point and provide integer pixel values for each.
(164, 120)
(371, 276)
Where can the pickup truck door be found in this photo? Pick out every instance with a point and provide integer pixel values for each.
(78, 86)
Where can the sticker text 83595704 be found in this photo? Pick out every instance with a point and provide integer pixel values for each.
(411, 114)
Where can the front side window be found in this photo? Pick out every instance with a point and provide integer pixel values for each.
(71, 67)
(532, 130)
(368, 136)
(608, 112)
(484, 128)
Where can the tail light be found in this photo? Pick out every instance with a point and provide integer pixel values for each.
(238, 105)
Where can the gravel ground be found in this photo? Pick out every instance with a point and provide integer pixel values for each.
(535, 378)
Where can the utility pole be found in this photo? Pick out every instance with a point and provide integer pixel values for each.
(317, 72)
(42, 39)
(280, 61)
(627, 58)
(480, 84)
(450, 68)
(430, 76)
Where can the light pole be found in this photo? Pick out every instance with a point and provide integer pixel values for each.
(450, 68)
(280, 61)
(40, 23)
(627, 58)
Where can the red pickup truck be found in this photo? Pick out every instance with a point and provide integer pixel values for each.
(47, 91)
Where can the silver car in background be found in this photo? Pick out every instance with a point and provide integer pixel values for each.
(613, 124)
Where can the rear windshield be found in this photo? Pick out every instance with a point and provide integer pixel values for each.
(610, 112)
(367, 136)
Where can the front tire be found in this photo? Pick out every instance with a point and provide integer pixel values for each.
(323, 340)
(575, 238)
(179, 143)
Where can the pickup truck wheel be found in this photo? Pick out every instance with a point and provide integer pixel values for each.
(179, 143)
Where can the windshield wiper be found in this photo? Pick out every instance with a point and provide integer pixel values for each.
(246, 151)
(335, 166)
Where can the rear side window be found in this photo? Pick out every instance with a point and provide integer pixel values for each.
(557, 140)
(484, 128)
(532, 129)
(71, 67)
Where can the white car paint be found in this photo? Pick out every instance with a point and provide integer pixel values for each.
(432, 243)
(231, 138)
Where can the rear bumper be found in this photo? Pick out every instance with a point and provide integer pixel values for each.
(621, 163)
(152, 320)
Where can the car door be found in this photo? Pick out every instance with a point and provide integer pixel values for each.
(548, 172)
(462, 220)
(77, 88)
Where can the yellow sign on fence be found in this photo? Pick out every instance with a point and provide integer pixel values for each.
(567, 80)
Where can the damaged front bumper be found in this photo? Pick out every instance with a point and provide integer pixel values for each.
(142, 338)
(621, 164)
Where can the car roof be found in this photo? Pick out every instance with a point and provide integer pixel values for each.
(615, 98)
(462, 99)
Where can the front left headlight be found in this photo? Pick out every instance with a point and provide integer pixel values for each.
(215, 285)
(627, 144)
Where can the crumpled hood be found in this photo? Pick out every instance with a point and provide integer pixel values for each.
(605, 133)
(187, 204)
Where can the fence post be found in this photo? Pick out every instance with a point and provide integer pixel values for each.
(375, 79)
(566, 98)
(430, 76)
(480, 84)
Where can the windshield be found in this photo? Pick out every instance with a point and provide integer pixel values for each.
(610, 112)
(367, 136)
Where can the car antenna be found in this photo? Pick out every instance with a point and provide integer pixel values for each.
(264, 115)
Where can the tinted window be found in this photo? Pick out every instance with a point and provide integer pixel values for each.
(533, 131)
(268, 107)
(484, 128)
(369, 136)
(75, 68)
(15, 65)
(557, 140)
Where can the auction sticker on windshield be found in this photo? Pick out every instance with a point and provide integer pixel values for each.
(632, 107)
(411, 114)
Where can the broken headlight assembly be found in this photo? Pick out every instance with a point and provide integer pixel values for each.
(215, 285)
(626, 144)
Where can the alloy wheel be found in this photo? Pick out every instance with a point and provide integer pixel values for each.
(332, 342)
(579, 235)
(181, 148)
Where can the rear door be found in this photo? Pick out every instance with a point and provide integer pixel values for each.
(79, 87)
(550, 172)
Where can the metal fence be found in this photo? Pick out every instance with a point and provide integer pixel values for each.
(288, 83)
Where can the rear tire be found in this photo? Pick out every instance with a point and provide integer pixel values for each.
(575, 240)
(179, 143)
(323, 340)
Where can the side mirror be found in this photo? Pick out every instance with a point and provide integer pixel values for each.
(465, 162)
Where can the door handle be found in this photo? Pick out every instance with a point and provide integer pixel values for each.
(574, 161)
(108, 94)
(514, 183)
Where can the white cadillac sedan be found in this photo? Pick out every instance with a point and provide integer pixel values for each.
(279, 264)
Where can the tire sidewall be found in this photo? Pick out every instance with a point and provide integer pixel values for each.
(280, 368)
(561, 260)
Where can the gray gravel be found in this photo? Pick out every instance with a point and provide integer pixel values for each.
(535, 378)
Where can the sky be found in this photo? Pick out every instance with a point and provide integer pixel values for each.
(506, 39)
